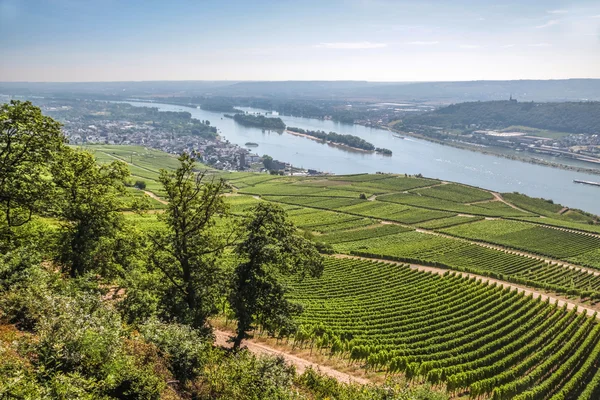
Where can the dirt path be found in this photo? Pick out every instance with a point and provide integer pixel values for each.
(563, 210)
(481, 202)
(499, 197)
(221, 339)
(155, 197)
(527, 290)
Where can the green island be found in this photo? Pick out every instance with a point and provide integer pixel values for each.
(258, 121)
(350, 141)
(119, 262)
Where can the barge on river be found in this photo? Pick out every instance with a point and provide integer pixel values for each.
(587, 182)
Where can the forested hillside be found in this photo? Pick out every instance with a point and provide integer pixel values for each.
(580, 117)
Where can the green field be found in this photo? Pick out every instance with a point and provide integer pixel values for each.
(470, 336)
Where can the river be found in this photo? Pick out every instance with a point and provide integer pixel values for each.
(410, 155)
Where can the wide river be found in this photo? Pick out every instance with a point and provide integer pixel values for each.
(410, 155)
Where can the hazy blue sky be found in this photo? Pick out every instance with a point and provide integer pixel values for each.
(378, 40)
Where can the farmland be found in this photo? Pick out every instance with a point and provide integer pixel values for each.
(469, 336)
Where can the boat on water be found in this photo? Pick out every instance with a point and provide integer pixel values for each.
(587, 182)
(251, 144)
(398, 136)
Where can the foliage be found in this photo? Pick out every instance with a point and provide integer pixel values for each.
(259, 121)
(242, 376)
(188, 251)
(185, 348)
(29, 142)
(348, 140)
(79, 350)
(271, 247)
(88, 204)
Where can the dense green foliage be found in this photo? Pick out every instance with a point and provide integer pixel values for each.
(29, 143)
(188, 252)
(259, 121)
(348, 140)
(271, 247)
(581, 117)
(219, 104)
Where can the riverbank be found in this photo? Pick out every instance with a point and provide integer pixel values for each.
(489, 151)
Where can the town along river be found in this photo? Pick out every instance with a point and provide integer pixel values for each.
(410, 156)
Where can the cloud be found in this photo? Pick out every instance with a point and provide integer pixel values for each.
(557, 12)
(507, 46)
(469, 46)
(548, 24)
(351, 45)
(540, 45)
(423, 43)
(595, 16)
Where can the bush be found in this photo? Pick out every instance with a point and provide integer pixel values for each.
(17, 267)
(185, 349)
(242, 376)
(324, 248)
(140, 185)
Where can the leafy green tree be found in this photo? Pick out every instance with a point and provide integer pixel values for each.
(268, 162)
(89, 200)
(272, 247)
(139, 184)
(29, 142)
(188, 251)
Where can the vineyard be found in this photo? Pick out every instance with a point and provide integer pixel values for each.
(456, 193)
(327, 207)
(532, 238)
(472, 337)
(489, 209)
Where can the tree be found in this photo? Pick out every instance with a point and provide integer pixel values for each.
(89, 200)
(272, 247)
(140, 185)
(29, 143)
(188, 251)
(268, 162)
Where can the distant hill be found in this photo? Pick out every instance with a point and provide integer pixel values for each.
(536, 90)
(443, 92)
(580, 117)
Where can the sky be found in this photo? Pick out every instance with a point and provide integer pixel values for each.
(374, 40)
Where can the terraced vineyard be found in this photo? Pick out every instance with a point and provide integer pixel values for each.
(490, 209)
(532, 238)
(475, 338)
(456, 193)
(426, 249)
(437, 207)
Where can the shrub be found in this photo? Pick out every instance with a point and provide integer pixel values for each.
(140, 185)
(185, 349)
